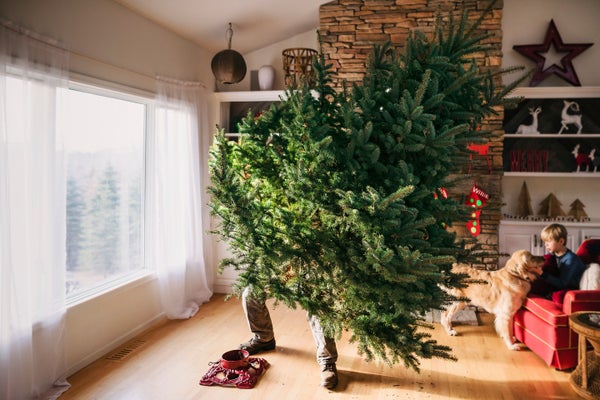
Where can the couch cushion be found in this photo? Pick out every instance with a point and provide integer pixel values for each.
(546, 310)
(558, 297)
(581, 300)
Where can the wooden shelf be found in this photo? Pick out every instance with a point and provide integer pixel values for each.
(510, 136)
(254, 95)
(555, 91)
(546, 160)
(573, 174)
(540, 222)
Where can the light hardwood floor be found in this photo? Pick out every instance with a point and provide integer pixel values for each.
(168, 362)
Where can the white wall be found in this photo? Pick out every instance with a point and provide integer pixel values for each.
(110, 42)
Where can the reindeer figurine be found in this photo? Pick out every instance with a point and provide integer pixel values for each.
(570, 119)
(594, 160)
(533, 128)
(582, 159)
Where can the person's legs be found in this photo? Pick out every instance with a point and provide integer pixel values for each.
(259, 322)
(326, 353)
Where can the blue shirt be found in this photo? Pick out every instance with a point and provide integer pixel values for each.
(570, 269)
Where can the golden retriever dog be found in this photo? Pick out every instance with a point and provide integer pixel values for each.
(499, 292)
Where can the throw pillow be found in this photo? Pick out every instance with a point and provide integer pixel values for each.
(590, 280)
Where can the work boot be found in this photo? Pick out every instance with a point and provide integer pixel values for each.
(329, 378)
(254, 346)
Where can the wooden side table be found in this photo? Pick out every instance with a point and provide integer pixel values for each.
(585, 379)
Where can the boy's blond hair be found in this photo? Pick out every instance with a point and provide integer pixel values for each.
(554, 232)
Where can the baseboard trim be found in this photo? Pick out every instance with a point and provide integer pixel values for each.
(109, 347)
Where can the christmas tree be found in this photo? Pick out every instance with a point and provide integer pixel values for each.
(328, 201)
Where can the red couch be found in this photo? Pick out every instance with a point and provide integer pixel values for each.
(543, 325)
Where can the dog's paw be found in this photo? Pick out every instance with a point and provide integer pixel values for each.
(452, 332)
(514, 346)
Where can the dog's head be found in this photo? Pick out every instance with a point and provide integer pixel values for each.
(525, 265)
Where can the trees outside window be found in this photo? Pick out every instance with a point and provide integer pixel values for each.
(104, 139)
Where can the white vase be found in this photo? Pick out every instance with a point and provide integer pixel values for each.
(266, 77)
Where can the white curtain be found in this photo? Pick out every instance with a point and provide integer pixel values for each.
(32, 218)
(177, 221)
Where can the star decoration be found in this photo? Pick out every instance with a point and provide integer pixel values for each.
(566, 70)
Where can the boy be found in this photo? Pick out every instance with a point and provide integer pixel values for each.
(563, 268)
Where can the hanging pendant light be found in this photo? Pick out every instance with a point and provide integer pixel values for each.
(228, 66)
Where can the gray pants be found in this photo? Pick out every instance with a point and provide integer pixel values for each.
(259, 321)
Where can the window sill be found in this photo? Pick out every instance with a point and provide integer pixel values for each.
(112, 287)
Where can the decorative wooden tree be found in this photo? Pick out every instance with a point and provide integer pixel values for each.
(524, 205)
(577, 211)
(551, 207)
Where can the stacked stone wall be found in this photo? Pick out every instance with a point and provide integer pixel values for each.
(350, 28)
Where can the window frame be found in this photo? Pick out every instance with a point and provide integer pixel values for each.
(118, 91)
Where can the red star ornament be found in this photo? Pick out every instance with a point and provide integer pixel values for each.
(566, 70)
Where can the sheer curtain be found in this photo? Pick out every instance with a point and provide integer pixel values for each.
(176, 216)
(32, 218)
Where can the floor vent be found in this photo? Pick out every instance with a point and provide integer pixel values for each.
(126, 350)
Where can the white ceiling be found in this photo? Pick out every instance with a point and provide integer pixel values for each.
(256, 23)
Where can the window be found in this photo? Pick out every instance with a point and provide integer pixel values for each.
(99, 145)
(104, 143)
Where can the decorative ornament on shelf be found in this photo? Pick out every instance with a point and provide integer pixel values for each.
(536, 53)
(524, 205)
(550, 207)
(228, 66)
(577, 210)
(298, 66)
(477, 199)
(582, 159)
(594, 160)
(570, 119)
(266, 77)
(533, 128)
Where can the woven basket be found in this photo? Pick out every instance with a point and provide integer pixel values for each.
(297, 65)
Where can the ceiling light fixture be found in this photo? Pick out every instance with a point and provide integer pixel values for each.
(228, 66)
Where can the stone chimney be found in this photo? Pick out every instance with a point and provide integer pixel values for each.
(350, 28)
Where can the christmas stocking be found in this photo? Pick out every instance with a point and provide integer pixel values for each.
(477, 199)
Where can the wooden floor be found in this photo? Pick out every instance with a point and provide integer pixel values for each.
(167, 363)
